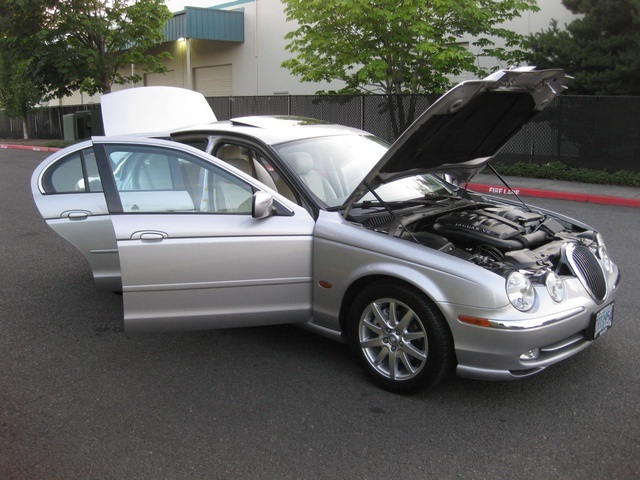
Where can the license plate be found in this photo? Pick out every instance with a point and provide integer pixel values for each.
(602, 321)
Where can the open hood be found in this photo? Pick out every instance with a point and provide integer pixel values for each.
(462, 131)
(153, 110)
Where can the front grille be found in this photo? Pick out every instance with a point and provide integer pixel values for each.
(586, 267)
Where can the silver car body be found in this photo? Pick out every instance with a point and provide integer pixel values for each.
(308, 254)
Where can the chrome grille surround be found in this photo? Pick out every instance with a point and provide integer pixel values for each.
(586, 267)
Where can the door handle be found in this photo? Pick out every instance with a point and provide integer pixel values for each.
(151, 236)
(78, 215)
(148, 235)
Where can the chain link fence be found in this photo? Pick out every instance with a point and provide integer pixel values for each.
(600, 132)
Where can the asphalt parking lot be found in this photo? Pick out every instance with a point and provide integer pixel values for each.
(81, 399)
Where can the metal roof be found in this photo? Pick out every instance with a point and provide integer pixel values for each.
(206, 24)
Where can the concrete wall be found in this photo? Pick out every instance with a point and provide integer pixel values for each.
(255, 63)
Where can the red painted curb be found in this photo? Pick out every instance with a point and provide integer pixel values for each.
(33, 148)
(573, 196)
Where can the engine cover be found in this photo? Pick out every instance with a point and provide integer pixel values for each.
(505, 228)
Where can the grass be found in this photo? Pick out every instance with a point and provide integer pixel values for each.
(58, 143)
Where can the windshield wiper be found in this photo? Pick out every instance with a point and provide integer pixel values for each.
(391, 212)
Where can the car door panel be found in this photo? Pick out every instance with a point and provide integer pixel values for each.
(68, 194)
(94, 237)
(245, 272)
(193, 257)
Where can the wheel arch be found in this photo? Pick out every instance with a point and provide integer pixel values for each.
(415, 373)
(362, 283)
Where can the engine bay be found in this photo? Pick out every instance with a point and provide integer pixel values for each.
(495, 236)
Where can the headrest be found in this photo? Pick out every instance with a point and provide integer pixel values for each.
(229, 151)
(301, 162)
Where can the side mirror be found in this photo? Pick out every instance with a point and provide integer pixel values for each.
(261, 205)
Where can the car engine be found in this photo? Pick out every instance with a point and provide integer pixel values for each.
(498, 237)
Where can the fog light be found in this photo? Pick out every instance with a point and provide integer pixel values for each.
(531, 354)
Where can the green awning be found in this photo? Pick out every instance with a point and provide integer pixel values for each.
(206, 24)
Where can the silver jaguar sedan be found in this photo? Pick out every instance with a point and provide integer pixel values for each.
(273, 220)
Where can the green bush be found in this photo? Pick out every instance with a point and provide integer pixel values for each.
(560, 171)
(59, 143)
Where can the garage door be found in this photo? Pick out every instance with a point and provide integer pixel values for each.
(213, 81)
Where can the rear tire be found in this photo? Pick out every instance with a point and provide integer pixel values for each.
(400, 337)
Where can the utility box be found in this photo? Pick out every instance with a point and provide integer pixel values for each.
(69, 127)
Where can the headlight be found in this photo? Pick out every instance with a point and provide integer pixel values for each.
(555, 286)
(520, 291)
(604, 256)
(602, 253)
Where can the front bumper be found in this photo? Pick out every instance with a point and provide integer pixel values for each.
(556, 331)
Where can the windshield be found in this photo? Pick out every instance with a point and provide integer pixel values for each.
(333, 167)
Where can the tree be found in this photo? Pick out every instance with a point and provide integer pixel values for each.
(84, 45)
(600, 48)
(19, 93)
(21, 87)
(52, 48)
(393, 47)
(95, 41)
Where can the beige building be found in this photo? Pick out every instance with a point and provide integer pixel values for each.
(235, 48)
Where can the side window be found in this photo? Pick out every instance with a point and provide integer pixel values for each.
(159, 180)
(253, 163)
(280, 185)
(76, 173)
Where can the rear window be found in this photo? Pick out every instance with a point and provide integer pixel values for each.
(75, 173)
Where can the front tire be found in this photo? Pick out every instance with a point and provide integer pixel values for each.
(400, 337)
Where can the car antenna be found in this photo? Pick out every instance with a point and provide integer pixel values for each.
(391, 212)
(509, 187)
